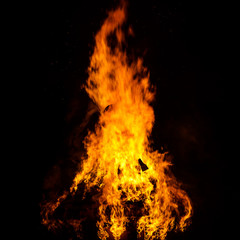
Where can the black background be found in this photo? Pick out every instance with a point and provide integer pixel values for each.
(185, 47)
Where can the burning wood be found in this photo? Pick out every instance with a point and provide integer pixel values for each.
(143, 165)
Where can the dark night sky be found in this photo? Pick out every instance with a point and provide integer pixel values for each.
(184, 47)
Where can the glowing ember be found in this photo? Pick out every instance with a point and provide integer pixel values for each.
(120, 161)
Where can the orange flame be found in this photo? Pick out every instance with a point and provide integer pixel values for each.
(120, 161)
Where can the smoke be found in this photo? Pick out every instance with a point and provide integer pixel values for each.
(80, 128)
(60, 174)
(92, 108)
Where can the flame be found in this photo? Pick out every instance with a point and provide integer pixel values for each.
(120, 161)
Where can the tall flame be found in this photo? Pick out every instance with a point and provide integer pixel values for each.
(120, 161)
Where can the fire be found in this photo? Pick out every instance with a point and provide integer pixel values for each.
(120, 162)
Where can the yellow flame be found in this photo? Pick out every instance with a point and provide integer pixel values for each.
(119, 158)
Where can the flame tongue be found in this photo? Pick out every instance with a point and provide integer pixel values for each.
(119, 158)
